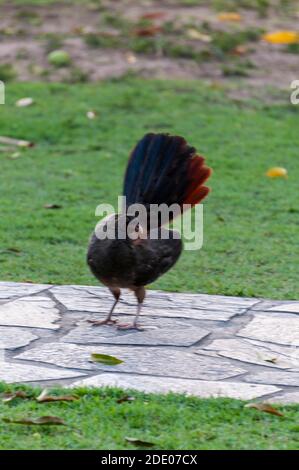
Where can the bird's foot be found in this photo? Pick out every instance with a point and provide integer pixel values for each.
(129, 326)
(107, 321)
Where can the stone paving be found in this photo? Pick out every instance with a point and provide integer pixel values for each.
(203, 345)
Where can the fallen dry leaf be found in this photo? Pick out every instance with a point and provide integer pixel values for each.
(194, 34)
(24, 102)
(52, 206)
(265, 408)
(91, 114)
(17, 142)
(131, 58)
(282, 37)
(240, 50)
(147, 31)
(154, 15)
(15, 251)
(105, 359)
(8, 397)
(82, 30)
(229, 16)
(44, 397)
(42, 420)
(25, 143)
(139, 442)
(125, 398)
(277, 172)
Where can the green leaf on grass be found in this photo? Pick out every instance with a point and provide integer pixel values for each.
(105, 359)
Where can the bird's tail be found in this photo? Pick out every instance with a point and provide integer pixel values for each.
(165, 169)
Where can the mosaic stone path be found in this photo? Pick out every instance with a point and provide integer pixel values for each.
(198, 344)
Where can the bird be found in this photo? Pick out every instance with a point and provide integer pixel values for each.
(162, 169)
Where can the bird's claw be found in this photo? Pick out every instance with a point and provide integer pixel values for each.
(102, 322)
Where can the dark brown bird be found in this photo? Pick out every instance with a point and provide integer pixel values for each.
(162, 169)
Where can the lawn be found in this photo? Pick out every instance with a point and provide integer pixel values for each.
(250, 221)
(96, 420)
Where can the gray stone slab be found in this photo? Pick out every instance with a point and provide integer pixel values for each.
(12, 338)
(253, 352)
(276, 306)
(274, 328)
(158, 297)
(203, 389)
(37, 312)
(270, 339)
(214, 301)
(292, 307)
(85, 299)
(285, 398)
(264, 305)
(156, 332)
(155, 361)
(15, 372)
(9, 290)
(273, 378)
(195, 306)
(180, 312)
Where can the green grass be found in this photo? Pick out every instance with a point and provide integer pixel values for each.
(250, 221)
(97, 421)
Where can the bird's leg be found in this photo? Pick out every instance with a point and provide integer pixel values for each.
(108, 320)
(140, 295)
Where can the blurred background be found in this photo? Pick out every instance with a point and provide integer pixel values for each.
(224, 42)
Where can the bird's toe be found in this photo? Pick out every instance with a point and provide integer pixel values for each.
(102, 322)
(129, 326)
